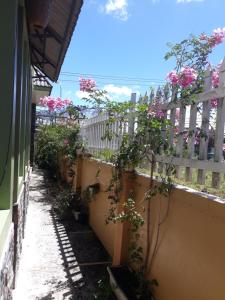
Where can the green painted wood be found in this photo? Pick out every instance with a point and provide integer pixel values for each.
(23, 111)
(18, 101)
(28, 118)
(8, 38)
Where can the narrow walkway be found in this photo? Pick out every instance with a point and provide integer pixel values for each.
(60, 260)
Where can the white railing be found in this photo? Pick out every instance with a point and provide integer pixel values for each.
(190, 119)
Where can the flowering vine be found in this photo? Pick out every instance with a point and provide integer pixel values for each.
(152, 127)
(54, 104)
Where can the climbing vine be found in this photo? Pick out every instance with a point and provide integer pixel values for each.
(150, 132)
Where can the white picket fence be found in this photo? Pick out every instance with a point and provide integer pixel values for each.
(190, 120)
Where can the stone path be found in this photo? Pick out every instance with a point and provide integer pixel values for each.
(59, 260)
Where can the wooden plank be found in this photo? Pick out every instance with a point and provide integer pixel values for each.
(203, 146)
(201, 97)
(180, 138)
(192, 163)
(191, 139)
(131, 117)
(219, 137)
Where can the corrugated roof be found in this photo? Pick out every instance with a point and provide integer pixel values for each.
(49, 46)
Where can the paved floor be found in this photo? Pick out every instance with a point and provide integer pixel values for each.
(60, 260)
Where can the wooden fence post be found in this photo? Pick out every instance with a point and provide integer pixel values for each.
(131, 120)
(191, 139)
(219, 133)
(180, 139)
(203, 146)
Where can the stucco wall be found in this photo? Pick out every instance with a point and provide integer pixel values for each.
(100, 205)
(189, 261)
(187, 237)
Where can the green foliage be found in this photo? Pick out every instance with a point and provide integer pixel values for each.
(89, 193)
(63, 202)
(53, 140)
(104, 291)
(145, 288)
(194, 53)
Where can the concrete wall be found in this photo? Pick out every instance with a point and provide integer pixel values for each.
(187, 236)
(100, 205)
(189, 261)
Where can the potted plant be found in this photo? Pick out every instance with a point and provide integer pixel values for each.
(130, 285)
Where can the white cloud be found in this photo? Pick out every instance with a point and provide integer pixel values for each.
(117, 8)
(81, 94)
(188, 1)
(118, 90)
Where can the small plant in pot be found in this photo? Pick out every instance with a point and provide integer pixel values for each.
(77, 206)
(81, 201)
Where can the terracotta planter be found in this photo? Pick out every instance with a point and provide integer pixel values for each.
(39, 12)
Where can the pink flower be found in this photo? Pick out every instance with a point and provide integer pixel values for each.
(59, 104)
(67, 102)
(203, 37)
(215, 78)
(155, 110)
(87, 85)
(43, 101)
(187, 76)
(51, 104)
(173, 77)
(66, 142)
(197, 137)
(214, 103)
(217, 37)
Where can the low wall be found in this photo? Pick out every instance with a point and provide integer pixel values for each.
(188, 245)
(11, 252)
(100, 205)
(6, 266)
(186, 233)
(19, 219)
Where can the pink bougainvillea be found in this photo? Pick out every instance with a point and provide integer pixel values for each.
(155, 110)
(215, 78)
(184, 79)
(66, 142)
(173, 77)
(54, 103)
(214, 103)
(67, 102)
(187, 77)
(217, 37)
(87, 85)
(215, 84)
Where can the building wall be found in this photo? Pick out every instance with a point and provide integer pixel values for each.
(100, 205)
(15, 108)
(186, 236)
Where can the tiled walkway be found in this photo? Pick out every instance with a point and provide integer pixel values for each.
(60, 260)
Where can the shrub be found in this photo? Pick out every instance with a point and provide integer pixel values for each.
(52, 140)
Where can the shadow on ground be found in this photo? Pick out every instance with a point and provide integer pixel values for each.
(84, 257)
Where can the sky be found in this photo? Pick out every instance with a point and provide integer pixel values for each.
(122, 43)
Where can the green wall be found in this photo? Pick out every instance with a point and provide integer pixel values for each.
(15, 103)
